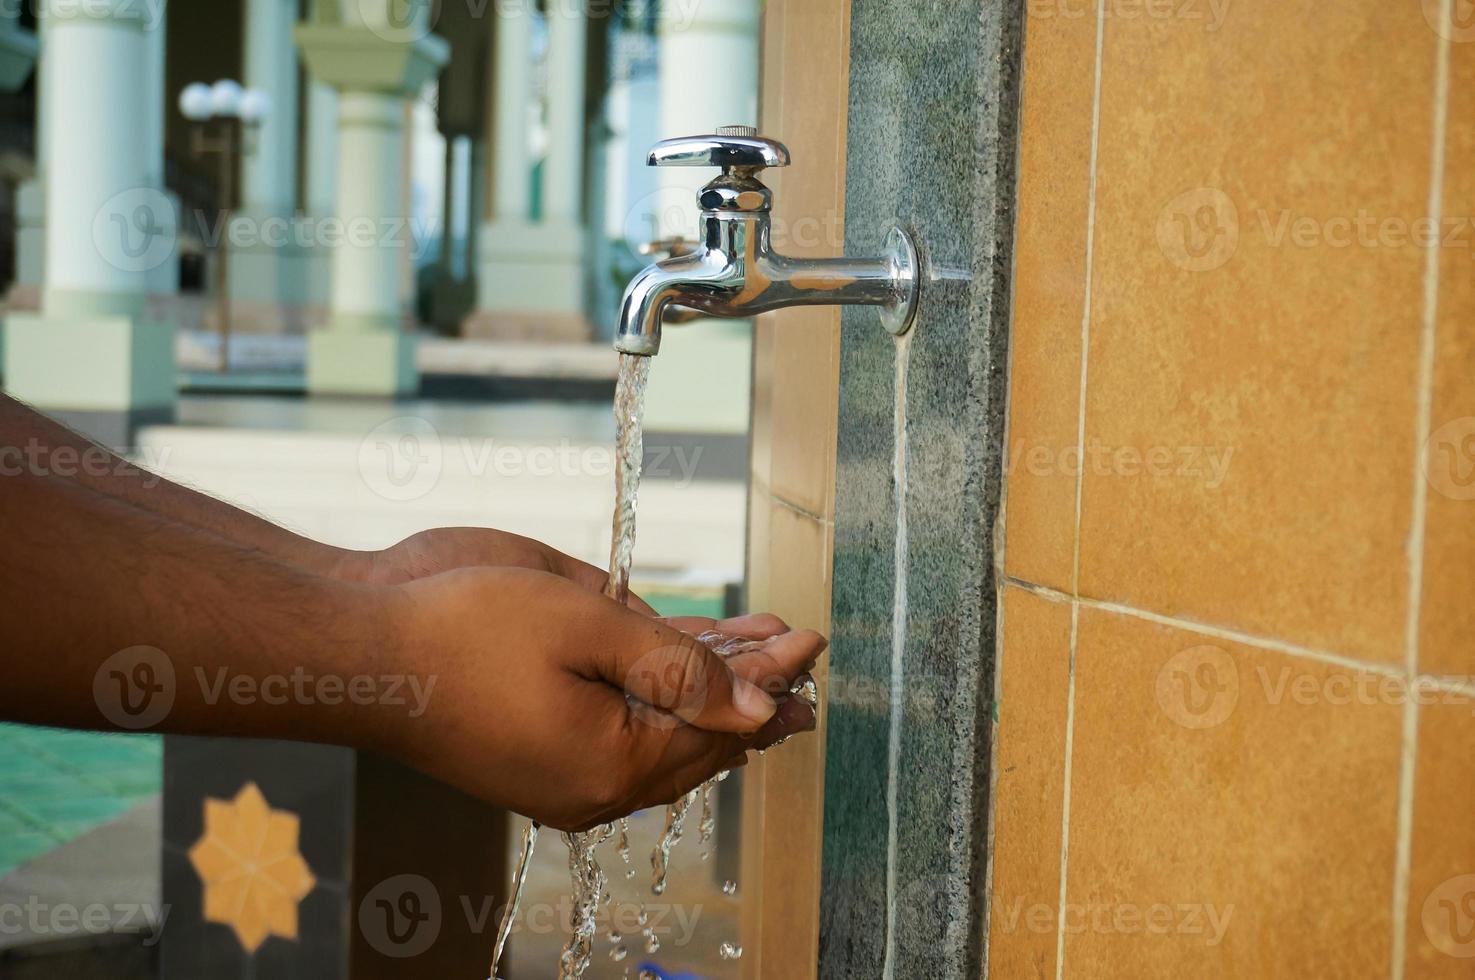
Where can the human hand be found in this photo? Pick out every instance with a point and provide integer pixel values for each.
(447, 549)
(564, 706)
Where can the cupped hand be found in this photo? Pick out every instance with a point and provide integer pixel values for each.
(562, 705)
(439, 550)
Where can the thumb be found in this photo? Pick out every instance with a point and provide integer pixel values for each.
(669, 670)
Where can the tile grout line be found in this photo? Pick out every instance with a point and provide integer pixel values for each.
(1402, 871)
(1075, 608)
(1463, 686)
(789, 505)
(897, 692)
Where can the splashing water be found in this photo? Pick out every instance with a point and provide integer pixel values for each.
(589, 882)
(660, 858)
(519, 879)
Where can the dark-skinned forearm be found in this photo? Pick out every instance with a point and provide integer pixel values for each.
(32, 444)
(88, 575)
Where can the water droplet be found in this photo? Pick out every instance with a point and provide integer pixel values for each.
(612, 936)
(659, 888)
(730, 951)
(729, 887)
(652, 944)
(630, 874)
(618, 953)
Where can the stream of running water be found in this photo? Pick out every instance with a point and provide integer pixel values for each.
(588, 878)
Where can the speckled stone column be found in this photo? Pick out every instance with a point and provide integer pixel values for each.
(933, 105)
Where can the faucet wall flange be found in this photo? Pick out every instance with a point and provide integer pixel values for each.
(899, 315)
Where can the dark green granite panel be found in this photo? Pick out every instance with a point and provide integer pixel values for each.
(933, 106)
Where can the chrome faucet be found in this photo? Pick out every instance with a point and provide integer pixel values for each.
(734, 271)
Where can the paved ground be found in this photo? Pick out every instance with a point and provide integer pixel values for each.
(56, 786)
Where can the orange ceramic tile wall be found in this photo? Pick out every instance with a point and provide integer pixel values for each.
(1236, 705)
(796, 380)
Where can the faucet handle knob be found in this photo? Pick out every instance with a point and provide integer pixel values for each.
(731, 148)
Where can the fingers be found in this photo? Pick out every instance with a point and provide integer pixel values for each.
(777, 664)
(671, 671)
(757, 626)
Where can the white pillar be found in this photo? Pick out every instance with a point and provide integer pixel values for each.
(366, 273)
(267, 276)
(512, 190)
(365, 349)
(701, 41)
(163, 279)
(322, 149)
(321, 196)
(270, 184)
(107, 228)
(707, 40)
(563, 186)
(530, 282)
(95, 153)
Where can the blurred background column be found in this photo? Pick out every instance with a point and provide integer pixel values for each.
(703, 41)
(92, 356)
(376, 59)
(460, 117)
(531, 279)
(267, 274)
(320, 195)
(19, 56)
(163, 279)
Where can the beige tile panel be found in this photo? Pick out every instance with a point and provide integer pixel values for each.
(1029, 785)
(1233, 811)
(1448, 633)
(1049, 296)
(1441, 901)
(1239, 308)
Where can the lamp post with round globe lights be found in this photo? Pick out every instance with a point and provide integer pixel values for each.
(226, 118)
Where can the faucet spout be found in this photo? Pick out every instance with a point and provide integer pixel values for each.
(736, 272)
(698, 279)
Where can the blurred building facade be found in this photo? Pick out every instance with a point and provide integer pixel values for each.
(119, 223)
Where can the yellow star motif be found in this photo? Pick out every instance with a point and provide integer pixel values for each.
(253, 873)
